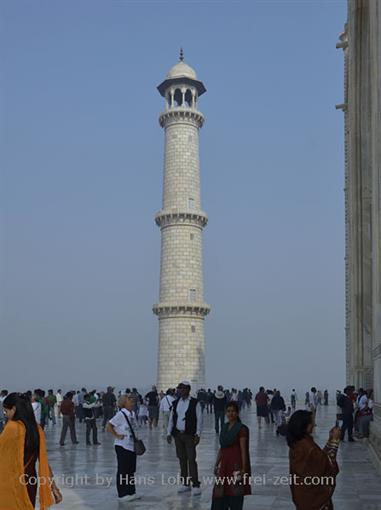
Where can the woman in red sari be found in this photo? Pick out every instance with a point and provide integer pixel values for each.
(232, 467)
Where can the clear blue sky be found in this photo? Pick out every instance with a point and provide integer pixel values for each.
(82, 152)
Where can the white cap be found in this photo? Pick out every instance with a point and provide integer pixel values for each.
(184, 383)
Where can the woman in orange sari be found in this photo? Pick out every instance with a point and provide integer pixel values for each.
(22, 444)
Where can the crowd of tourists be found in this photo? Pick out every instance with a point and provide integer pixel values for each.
(23, 418)
(355, 410)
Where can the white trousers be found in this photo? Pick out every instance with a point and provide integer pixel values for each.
(278, 417)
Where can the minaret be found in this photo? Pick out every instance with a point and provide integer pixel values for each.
(181, 308)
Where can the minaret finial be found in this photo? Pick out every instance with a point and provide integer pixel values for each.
(181, 58)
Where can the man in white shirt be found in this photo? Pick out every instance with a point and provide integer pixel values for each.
(165, 409)
(185, 425)
(76, 400)
(234, 395)
(36, 409)
(59, 398)
(313, 400)
(362, 400)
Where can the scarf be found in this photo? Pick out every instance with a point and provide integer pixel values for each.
(228, 436)
(13, 493)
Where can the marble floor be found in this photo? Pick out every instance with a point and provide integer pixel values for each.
(86, 473)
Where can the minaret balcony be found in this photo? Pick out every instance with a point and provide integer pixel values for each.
(181, 309)
(181, 114)
(166, 218)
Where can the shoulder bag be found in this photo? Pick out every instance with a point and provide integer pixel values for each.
(138, 443)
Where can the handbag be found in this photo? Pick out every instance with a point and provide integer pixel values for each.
(139, 446)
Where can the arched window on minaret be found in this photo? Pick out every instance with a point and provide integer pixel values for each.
(178, 97)
(188, 98)
(194, 98)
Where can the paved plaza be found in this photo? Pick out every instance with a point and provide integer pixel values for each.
(358, 485)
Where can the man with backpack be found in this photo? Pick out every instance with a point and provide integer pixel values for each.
(89, 413)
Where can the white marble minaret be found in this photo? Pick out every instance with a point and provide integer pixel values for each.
(181, 308)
